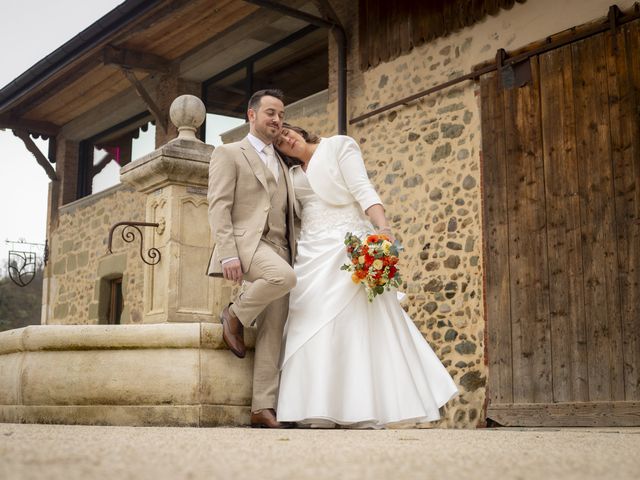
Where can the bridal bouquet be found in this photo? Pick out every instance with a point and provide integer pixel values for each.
(373, 263)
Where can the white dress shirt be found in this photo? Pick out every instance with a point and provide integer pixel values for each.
(266, 154)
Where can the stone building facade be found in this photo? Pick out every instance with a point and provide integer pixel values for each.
(425, 160)
(80, 263)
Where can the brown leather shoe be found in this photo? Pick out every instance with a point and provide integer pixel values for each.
(233, 332)
(265, 419)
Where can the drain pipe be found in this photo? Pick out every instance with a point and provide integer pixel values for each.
(341, 41)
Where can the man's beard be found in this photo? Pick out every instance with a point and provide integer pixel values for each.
(271, 132)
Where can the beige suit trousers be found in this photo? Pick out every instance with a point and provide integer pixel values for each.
(266, 300)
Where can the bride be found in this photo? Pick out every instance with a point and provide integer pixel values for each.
(347, 361)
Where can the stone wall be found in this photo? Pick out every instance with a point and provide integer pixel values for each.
(78, 259)
(424, 159)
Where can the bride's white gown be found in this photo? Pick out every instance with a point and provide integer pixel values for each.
(348, 361)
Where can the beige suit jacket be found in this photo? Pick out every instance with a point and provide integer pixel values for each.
(239, 203)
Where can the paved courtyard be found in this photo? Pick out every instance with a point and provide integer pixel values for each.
(78, 452)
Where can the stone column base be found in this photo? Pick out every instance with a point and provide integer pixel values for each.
(138, 375)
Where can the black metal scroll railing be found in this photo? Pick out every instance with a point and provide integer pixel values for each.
(129, 235)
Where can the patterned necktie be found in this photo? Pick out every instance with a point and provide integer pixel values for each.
(271, 160)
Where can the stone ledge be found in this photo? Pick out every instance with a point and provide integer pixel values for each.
(97, 337)
(135, 416)
(156, 374)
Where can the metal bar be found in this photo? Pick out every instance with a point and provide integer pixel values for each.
(261, 54)
(19, 242)
(416, 96)
(129, 236)
(550, 45)
(341, 40)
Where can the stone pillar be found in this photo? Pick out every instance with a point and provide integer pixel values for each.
(175, 177)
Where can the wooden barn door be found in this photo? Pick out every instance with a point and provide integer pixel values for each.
(561, 192)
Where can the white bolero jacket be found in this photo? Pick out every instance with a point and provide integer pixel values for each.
(337, 174)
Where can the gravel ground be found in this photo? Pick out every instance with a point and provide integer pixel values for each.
(82, 452)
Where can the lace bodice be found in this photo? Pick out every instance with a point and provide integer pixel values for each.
(319, 218)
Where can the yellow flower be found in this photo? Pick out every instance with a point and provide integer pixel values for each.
(377, 264)
(386, 247)
(361, 259)
(355, 278)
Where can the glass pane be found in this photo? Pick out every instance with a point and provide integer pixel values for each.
(217, 124)
(109, 174)
(145, 143)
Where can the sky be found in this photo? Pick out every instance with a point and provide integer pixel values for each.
(29, 31)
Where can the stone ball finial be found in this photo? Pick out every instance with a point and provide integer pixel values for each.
(187, 113)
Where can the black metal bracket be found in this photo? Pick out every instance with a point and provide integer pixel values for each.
(128, 235)
(613, 16)
(22, 265)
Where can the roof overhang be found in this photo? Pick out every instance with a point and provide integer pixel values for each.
(193, 39)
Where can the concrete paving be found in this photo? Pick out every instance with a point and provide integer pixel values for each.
(80, 452)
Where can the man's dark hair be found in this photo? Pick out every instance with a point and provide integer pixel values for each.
(256, 98)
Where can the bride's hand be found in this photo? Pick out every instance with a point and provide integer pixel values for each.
(387, 232)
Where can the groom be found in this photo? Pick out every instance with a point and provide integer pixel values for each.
(251, 218)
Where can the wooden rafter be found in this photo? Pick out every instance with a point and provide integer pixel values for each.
(35, 151)
(161, 120)
(134, 60)
(35, 127)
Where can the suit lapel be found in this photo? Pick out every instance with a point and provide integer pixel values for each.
(255, 162)
(291, 205)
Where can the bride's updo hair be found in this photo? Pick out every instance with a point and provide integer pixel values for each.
(308, 137)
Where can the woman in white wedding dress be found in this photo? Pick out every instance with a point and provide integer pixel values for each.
(347, 361)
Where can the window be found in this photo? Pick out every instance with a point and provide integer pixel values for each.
(114, 311)
(102, 156)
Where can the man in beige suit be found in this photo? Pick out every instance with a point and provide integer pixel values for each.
(251, 217)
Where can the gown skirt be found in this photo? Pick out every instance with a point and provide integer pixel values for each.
(347, 361)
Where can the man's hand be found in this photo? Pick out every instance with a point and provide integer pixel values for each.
(232, 270)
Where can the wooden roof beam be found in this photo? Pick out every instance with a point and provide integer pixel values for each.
(134, 60)
(35, 127)
(161, 119)
(35, 151)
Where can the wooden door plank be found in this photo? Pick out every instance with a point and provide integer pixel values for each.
(602, 307)
(496, 241)
(623, 66)
(571, 414)
(566, 296)
(529, 289)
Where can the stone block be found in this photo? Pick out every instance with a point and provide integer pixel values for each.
(83, 259)
(111, 377)
(9, 382)
(61, 311)
(224, 377)
(93, 312)
(71, 263)
(112, 265)
(59, 268)
(139, 375)
(67, 246)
